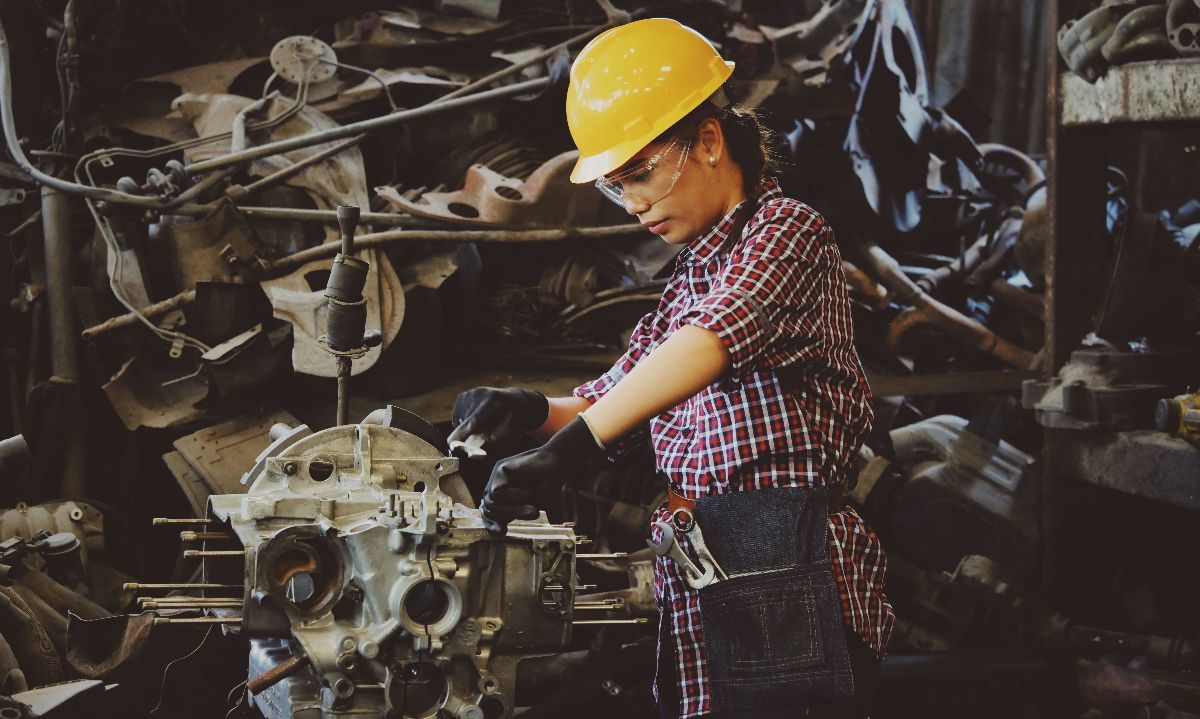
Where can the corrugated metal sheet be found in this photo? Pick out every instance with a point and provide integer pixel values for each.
(994, 49)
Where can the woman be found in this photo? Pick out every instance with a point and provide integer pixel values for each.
(749, 378)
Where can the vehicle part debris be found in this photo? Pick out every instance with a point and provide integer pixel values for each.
(434, 618)
(1183, 26)
(546, 199)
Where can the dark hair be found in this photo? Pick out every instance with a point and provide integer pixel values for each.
(751, 142)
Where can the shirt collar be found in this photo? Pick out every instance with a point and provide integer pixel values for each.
(703, 247)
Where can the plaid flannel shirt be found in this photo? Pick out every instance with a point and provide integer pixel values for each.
(776, 298)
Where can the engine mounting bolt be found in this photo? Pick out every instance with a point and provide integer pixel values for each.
(290, 468)
(348, 644)
(369, 649)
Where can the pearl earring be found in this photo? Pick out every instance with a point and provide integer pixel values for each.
(712, 160)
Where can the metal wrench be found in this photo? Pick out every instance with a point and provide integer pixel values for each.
(669, 546)
(684, 521)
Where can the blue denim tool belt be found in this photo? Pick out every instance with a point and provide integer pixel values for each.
(774, 629)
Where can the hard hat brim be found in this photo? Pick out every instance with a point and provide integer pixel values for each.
(588, 168)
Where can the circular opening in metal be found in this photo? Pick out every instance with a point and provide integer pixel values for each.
(492, 707)
(343, 687)
(509, 193)
(419, 487)
(427, 602)
(320, 468)
(10, 713)
(417, 689)
(489, 686)
(462, 209)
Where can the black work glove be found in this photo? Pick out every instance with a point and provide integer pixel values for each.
(497, 414)
(518, 482)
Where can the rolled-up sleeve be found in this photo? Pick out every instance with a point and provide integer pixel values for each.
(775, 269)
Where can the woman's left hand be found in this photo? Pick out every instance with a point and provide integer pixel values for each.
(517, 482)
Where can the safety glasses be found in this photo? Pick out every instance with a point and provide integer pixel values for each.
(649, 180)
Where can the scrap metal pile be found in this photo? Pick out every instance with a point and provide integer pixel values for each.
(173, 213)
(1123, 31)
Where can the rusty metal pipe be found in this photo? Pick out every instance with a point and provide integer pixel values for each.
(1023, 301)
(377, 239)
(276, 674)
(64, 334)
(237, 192)
(328, 217)
(1030, 171)
(876, 261)
(149, 311)
(376, 123)
(543, 55)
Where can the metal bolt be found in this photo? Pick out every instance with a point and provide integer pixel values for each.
(369, 649)
(611, 687)
(348, 644)
(290, 468)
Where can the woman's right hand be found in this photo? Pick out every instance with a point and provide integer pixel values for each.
(497, 414)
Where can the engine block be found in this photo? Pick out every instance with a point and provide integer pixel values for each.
(364, 553)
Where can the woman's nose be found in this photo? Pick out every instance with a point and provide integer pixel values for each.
(634, 206)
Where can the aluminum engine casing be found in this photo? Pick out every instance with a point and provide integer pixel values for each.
(405, 605)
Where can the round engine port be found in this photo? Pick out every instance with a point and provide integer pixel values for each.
(427, 603)
(417, 690)
(301, 570)
(429, 607)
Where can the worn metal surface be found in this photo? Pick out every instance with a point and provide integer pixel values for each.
(372, 570)
(546, 199)
(212, 460)
(1163, 90)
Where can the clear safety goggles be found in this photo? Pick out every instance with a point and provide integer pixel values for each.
(649, 180)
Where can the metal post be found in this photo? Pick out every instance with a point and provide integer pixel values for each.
(343, 390)
(64, 334)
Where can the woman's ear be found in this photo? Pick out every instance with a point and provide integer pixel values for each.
(710, 140)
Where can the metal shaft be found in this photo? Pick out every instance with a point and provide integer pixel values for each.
(204, 536)
(213, 553)
(159, 604)
(598, 557)
(238, 193)
(639, 620)
(197, 620)
(377, 239)
(64, 334)
(276, 674)
(138, 586)
(343, 390)
(172, 520)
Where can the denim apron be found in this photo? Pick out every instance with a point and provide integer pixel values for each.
(773, 630)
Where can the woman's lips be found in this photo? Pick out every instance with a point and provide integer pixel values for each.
(658, 227)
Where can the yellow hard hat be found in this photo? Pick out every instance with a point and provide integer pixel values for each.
(633, 82)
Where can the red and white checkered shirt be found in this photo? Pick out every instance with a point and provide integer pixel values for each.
(777, 298)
